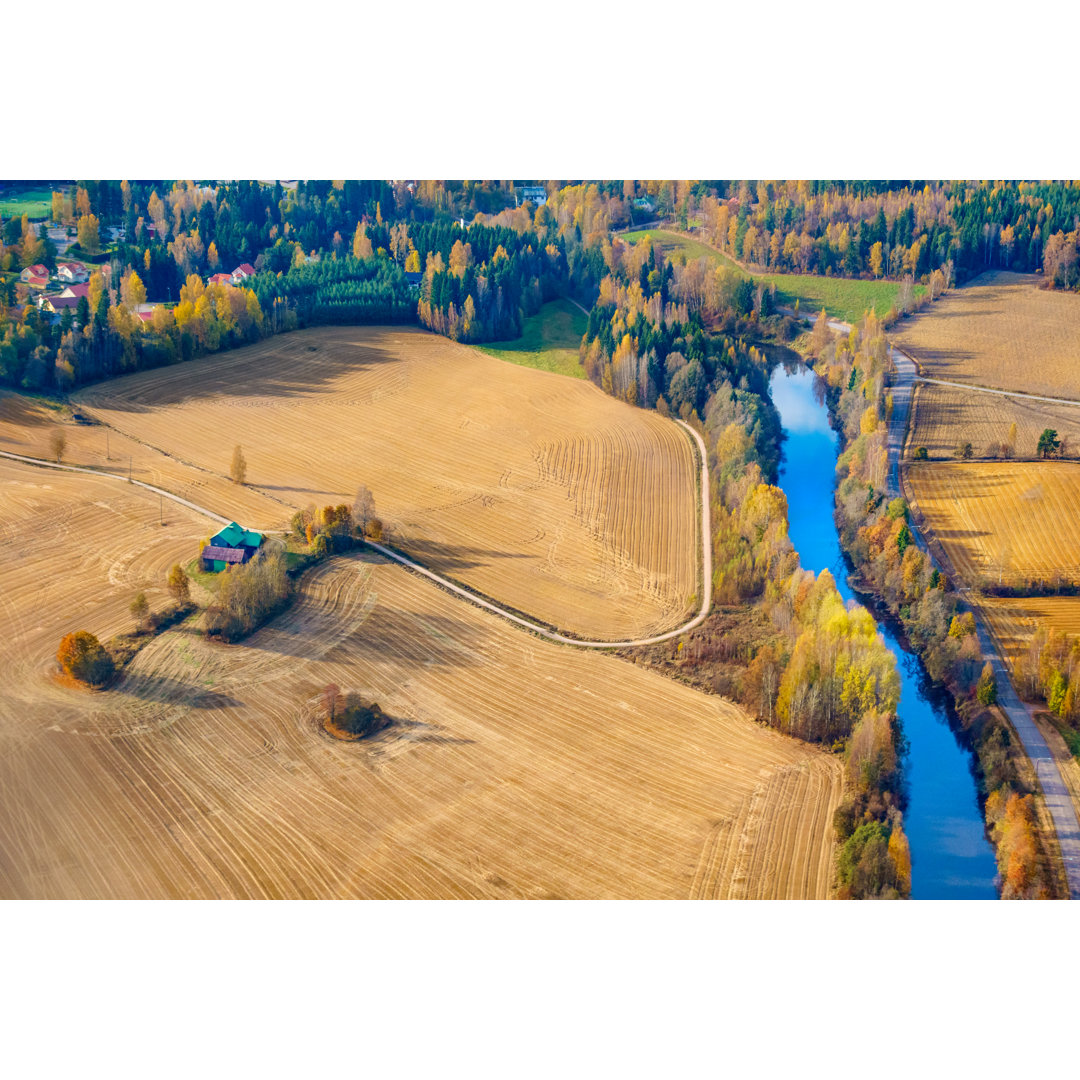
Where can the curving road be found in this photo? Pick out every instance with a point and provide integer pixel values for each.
(467, 594)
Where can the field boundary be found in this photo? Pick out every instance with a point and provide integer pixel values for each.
(462, 591)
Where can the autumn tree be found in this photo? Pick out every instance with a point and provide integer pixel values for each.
(57, 207)
(238, 468)
(57, 444)
(178, 584)
(876, 260)
(83, 657)
(140, 608)
(363, 509)
(986, 690)
(213, 260)
(361, 245)
(82, 202)
(132, 290)
(88, 231)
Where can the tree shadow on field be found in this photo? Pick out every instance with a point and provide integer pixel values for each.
(170, 691)
(445, 558)
(416, 731)
(299, 363)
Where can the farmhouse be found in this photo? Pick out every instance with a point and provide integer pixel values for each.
(536, 195)
(72, 272)
(242, 273)
(232, 545)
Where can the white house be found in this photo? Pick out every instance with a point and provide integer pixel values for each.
(536, 195)
(242, 273)
(72, 273)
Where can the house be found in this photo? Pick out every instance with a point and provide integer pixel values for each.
(220, 279)
(536, 195)
(644, 203)
(76, 291)
(242, 272)
(72, 272)
(55, 304)
(233, 545)
(36, 275)
(414, 278)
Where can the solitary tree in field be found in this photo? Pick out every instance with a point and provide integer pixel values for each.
(238, 469)
(57, 444)
(1048, 443)
(140, 608)
(363, 508)
(178, 584)
(1011, 440)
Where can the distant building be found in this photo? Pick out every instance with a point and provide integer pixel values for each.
(242, 273)
(219, 279)
(36, 275)
(76, 291)
(414, 278)
(644, 203)
(56, 304)
(536, 195)
(232, 546)
(72, 272)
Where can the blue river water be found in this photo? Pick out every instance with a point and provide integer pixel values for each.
(951, 859)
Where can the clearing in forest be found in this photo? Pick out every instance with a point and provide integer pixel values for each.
(549, 340)
(843, 298)
(514, 767)
(542, 493)
(1003, 331)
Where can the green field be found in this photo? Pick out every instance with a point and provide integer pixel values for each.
(35, 204)
(549, 341)
(842, 298)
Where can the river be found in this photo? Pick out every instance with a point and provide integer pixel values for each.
(951, 859)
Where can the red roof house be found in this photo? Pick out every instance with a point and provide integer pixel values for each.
(220, 279)
(244, 270)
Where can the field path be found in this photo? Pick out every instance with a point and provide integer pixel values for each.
(468, 594)
(988, 389)
(1055, 792)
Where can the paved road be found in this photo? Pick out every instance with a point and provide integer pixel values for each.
(536, 628)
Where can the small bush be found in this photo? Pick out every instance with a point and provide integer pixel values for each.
(84, 658)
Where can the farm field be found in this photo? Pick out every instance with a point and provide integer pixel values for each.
(1011, 521)
(549, 341)
(27, 423)
(944, 417)
(35, 204)
(540, 492)
(1001, 331)
(1007, 521)
(514, 767)
(843, 298)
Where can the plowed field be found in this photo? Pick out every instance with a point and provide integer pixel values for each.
(514, 767)
(541, 492)
(1001, 331)
(944, 418)
(1010, 523)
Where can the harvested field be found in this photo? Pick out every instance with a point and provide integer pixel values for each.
(540, 492)
(1007, 522)
(514, 767)
(1001, 331)
(944, 417)
(27, 423)
(1013, 620)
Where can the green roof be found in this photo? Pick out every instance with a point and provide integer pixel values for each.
(235, 536)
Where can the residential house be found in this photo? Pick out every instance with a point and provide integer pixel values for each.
(36, 276)
(232, 545)
(242, 273)
(220, 279)
(76, 291)
(72, 272)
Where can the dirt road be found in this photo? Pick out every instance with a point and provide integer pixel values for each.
(467, 594)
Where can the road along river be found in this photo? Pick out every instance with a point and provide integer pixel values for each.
(951, 858)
